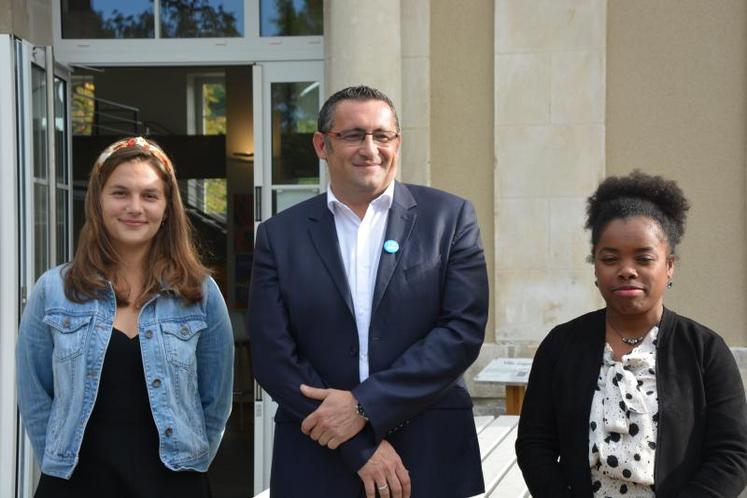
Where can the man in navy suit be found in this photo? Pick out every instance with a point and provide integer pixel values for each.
(367, 305)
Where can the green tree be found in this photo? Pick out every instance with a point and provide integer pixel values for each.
(214, 109)
(196, 18)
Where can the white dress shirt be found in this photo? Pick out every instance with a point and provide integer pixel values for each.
(361, 242)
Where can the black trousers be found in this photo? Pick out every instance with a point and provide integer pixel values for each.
(125, 475)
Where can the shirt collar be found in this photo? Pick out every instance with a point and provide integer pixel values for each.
(383, 202)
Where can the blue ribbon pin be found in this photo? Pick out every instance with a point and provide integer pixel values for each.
(391, 246)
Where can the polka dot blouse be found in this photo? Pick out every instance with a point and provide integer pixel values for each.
(623, 423)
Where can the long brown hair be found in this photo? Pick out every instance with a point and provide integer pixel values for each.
(172, 262)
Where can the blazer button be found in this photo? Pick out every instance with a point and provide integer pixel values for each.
(148, 334)
(353, 350)
(168, 432)
(156, 383)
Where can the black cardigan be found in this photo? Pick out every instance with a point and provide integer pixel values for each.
(702, 434)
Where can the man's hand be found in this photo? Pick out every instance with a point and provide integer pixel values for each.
(385, 474)
(336, 420)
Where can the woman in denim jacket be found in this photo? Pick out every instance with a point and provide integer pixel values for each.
(125, 355)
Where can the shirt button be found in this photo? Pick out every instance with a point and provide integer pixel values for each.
(353, 350)
(156, 383)
(169, 431)
(148, 334)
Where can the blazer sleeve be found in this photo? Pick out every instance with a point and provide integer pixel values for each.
(425, 370)
(278, 367)
(538, 442)
(723, 469)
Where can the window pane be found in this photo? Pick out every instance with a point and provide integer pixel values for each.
(83, 105)
(205, 197)
(39, 111)
(294, 112)
(202, 18)
(107, 18)
(290, 17)
(213, 108)
(283, 199)
(62, 233)
(60, 129)
(41, 222)
(215, 197)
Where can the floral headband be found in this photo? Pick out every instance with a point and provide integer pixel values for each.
(135, 142)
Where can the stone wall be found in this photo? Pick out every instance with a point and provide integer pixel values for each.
(549, 108)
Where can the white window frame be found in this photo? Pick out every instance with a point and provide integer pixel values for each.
(181, 51)
(18, 469)
(9, 276)
(264, 75)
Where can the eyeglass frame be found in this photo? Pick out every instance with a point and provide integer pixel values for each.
(338, 134)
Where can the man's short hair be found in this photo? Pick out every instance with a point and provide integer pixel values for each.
(360, 93)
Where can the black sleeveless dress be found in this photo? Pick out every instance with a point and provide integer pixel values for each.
(119, 453)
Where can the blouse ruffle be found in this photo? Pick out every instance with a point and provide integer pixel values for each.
(623, 423)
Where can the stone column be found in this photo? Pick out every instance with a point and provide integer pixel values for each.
(415, 113)
(362, 46)
(30, 20)
(549, 149)
(385, 44)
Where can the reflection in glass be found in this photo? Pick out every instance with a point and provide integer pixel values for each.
(39, 122)
(41, 223)
(283, 199)
(207, 196)
(83, 111)
(202, 18)
(62, 233)
(107, 19)
(290, 17)
(60, 129)
(294, 111)
(211, 105)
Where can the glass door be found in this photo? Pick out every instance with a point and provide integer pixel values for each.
(9, 277)
(44, 191)
(287, 98)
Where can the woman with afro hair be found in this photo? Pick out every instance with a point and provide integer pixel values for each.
(634, 400)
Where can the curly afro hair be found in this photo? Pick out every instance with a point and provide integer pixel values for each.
(638, 194)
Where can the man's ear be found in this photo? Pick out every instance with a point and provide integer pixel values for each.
(319, 145)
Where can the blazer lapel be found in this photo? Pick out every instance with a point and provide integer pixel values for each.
(402, 217)
(324, 238)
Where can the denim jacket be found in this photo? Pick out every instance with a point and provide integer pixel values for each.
(187, 355)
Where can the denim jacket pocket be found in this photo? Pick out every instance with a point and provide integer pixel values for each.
(180, 339)
(68, 332)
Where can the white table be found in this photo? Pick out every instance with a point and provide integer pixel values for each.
(511, 372)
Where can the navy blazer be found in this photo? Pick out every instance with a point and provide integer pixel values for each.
(428, 319)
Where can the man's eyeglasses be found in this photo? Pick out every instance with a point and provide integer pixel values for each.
(356, 137)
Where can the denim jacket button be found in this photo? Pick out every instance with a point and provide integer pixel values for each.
(184, 330)
(169, 431)
(148, 334)
(66, 323)
(156, 383)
